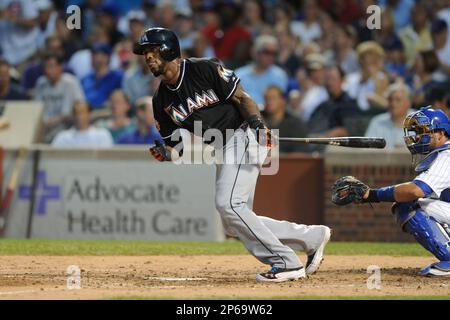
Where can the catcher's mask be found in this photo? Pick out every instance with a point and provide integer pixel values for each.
(418, 127)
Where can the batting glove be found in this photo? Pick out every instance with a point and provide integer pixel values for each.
(160, 152)
(264, 135)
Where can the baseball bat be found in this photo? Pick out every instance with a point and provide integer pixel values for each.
(350, 142)
(12, 184)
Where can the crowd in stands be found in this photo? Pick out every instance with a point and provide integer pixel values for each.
(313, 66)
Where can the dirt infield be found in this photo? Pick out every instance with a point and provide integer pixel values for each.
(191, 277)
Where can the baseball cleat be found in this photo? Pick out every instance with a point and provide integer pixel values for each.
(316, 257)
(441, 268)
(279, 275)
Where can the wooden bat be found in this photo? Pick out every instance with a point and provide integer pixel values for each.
(350, 142)
(12, 184)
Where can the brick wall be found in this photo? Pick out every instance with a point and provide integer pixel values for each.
(362, 222)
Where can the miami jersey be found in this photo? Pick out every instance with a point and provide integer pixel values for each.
(202, 93)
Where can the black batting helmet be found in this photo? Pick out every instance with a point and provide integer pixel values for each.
(169, 47)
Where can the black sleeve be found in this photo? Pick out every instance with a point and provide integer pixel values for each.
(224, 80)
(166, 127)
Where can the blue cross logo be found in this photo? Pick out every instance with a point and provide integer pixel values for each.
(44, 193)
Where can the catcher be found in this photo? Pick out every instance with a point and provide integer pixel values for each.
(422, 206)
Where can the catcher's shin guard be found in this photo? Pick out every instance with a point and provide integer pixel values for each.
(425, 229)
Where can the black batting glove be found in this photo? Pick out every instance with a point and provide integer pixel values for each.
(160, 152)
(264, 135)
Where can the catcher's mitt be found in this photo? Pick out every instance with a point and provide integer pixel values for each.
(348, 189)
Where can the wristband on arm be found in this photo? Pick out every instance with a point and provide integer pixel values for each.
(385, 194)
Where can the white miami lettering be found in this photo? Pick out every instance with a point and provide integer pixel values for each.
(179, 113)
(205, 99)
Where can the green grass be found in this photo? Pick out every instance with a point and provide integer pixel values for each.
(144, 248)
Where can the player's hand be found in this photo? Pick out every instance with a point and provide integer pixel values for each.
(264, 135)
(160, 152)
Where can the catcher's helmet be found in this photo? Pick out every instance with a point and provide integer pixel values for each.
(169, 47)
(418, 126)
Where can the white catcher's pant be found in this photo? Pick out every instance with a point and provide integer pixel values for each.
(439, 210)
(269, 240)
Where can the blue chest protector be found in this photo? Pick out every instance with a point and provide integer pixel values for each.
(426, 163)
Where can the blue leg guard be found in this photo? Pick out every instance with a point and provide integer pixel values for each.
(427, 231)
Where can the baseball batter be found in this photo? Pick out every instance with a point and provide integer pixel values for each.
(422, 206)
(202, 91)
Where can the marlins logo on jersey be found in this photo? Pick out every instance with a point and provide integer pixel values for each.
(224, 73)
(180, 113)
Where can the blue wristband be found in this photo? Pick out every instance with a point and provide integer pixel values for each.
(386, 194)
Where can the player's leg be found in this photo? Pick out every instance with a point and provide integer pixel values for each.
(234, 183)
(310, 239)
(428, 232)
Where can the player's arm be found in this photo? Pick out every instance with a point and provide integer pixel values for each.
(247, 107)
(404, 192)
(250, 112)
(349, 189)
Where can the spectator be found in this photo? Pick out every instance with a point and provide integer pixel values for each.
(345, 11)
(401, 10)
(395, 62)
(8, 89)
(137, 81)
(119, 123)
(18, 31)
(146, 131)
(312, 90)
(201, 47)
(99, 84)
(257, 76)
(416, 37)
(184, 29)
(81, 61)
(58, 91)
(229, 39)
(133, 24)
(278, 117)
(253, 17)
(367, 85)
(46, 21)
(339, 115)
(343, 54)
(425, 67)
(327, 39)
(287, 50)
(439, 30)
(82, 134)
(165, 14)
(34, 70)
(389, 125)
(438, 98)
(387, 29)
(107, 16)
(308, 29)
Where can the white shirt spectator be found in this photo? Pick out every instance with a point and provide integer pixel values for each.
(311, 100)
(58, 99)
(359, 90)
(16, 42)
(90, 138)
(306, 33)
(255, 84)
(382, 126)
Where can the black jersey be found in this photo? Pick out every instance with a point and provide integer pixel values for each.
(201, 93)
